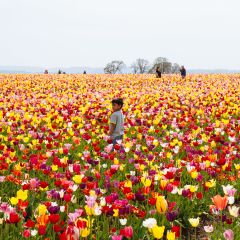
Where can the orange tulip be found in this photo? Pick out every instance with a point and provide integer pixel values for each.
(42, 220)
(220, 202)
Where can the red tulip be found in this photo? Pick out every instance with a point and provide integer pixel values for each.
(127, 232)
(117, 147)
(14, 218)
(54, 218)
(42, 230)
(67, 197)
(30, 223)
(81, 224)
(57, 228)
(176, 229)
(27, 233)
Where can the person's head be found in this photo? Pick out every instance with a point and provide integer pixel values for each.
(157, 68)
(117, 104)
(182, 67)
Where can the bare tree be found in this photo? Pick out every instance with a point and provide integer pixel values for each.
(164, 65)
(175, 68)
(114, 67)
(140, 66)
(134, 68)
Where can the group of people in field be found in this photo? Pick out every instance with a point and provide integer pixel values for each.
(61, 72)
(182, 70)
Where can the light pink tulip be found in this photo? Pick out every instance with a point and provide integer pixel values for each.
(228, 234)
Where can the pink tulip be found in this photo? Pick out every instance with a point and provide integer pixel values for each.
(231, 192)
(108, 148)
(2, 178)
(117, 237)
(33, 183)
(228, 234)
(91, 200)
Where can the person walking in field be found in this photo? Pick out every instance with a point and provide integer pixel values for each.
(158, 73)
(183, 72)
(116, 129)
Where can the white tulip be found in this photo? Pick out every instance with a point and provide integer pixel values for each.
(150, 223)
(123, 221)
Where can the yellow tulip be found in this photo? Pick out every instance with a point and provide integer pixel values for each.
(155, 142)
(211, 183)
(85, 232)
(89, 211)
(54, 168)
(193, 188)
(42, 209)
(158, 231)
(22, 195)
(116, 211)
(194, 174)
(213, 144)
(237, 166)
(115, 161)
(121, 168)
(146, 182)
(142, 167)
(26, 139)
(128, 184)
(163, 183)
(161, 204)
(194, 221)
(77, 179)
(170, 235)
(13, 201)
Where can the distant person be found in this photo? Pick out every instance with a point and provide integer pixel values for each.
(59, 71)
(46, 71)
(183, 72)
(158, 73)
(116, 129)
(64, 72)
(84, 72)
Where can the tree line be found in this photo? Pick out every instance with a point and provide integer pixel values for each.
(141, 66)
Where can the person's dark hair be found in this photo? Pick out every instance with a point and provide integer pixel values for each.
(118, 101)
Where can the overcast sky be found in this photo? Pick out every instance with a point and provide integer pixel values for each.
(54, 33)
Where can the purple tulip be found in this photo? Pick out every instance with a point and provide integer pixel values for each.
(171, 216)
(53, 209)
(139, 197)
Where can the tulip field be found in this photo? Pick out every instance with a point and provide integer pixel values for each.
(175, 175)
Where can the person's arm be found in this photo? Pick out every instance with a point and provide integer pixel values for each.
(113, 123)
(111, 129)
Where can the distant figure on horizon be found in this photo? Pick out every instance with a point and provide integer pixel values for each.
(59, 71)
(46, 71)
(84, 72)
(183, 72)
(158, 73)
(64, 72)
